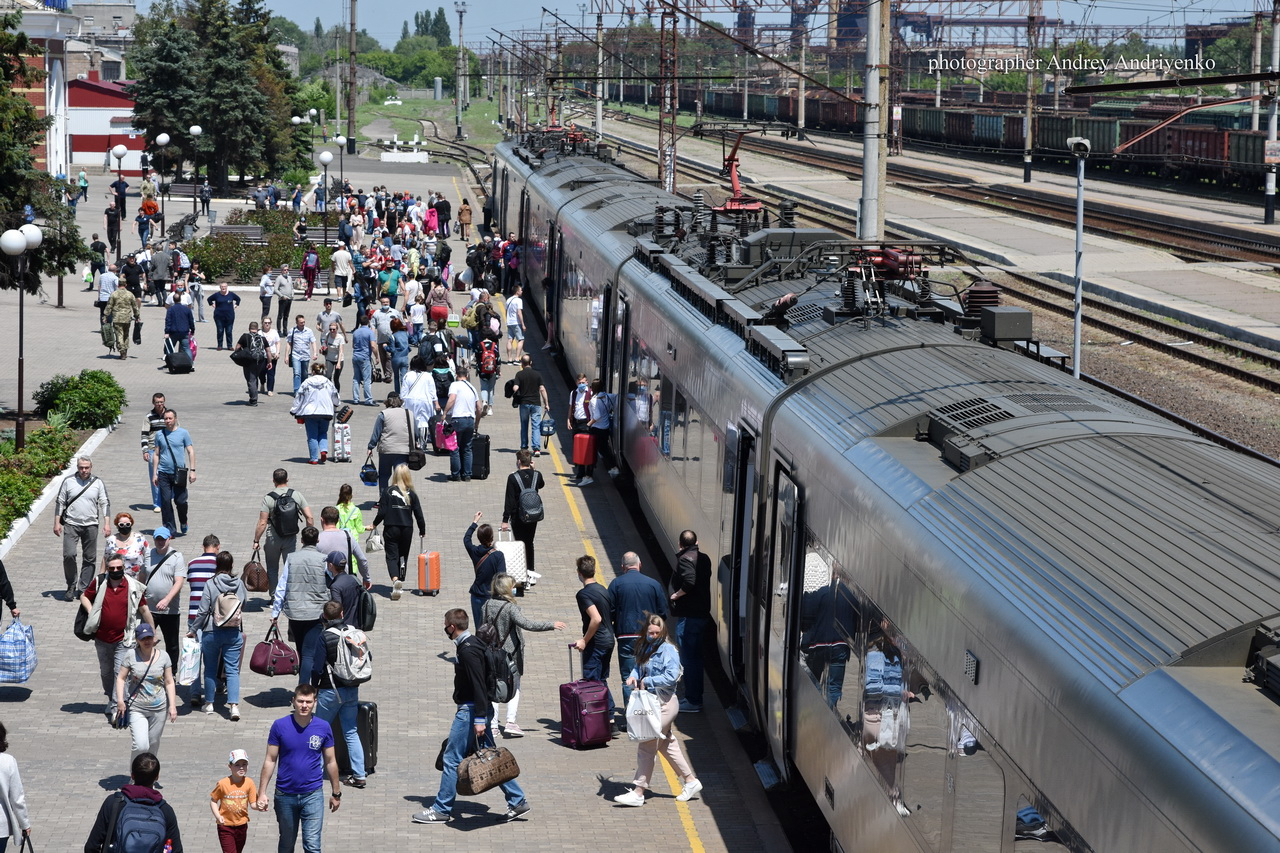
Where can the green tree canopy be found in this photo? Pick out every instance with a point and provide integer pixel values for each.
(440, 28)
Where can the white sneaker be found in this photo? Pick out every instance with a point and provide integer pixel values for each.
(585, 481)
(613, 472)
(634, 797)
(534, 576)
(208, 708)
(690, 789)
(488, 410)
(396, 588)
(235, 713)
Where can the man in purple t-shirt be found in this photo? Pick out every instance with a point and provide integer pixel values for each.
(302, 744)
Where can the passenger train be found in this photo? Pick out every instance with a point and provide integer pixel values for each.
(971, 603)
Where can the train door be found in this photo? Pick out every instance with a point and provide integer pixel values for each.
(735, 569)
(503, 196)
(619, 337)
(780, 571)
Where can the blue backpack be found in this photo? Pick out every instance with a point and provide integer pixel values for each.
(140, 827)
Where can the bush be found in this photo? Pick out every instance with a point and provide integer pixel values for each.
(23, 475)
(92, 400)
(298, 176)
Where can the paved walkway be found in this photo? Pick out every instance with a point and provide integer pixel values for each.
(69, 758)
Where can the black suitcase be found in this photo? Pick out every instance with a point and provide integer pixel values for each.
(179, 361)
(480, 456)
(367, 727)
(431, 435)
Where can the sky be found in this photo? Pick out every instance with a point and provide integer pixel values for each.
(383, 18)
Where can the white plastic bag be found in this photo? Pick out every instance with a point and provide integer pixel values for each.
(644, 716)
(188, 662)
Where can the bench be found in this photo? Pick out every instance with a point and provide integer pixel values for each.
(247, 233)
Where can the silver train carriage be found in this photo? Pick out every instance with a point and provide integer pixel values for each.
(973, 604)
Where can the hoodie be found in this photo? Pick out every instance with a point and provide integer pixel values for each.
(218, 584)
(104, 825)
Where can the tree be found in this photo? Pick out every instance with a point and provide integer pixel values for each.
(229, 98)
(283, 148)
(416, 44)
(440, 28)
(287, 32)
(1233, 54)
(21, 183)
(421, 23)
(318, 30)
(404, 31)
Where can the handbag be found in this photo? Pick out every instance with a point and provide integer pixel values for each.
(644, 716)
(273, 656)
(256, 578)
(417, 457)
(179, 473)
(137, 332)
(489, 767)
(368, 471)
(373, 542)
(82, 617)
(243, 357)
(188, 662)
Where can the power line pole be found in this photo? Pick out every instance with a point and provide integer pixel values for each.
(600, 75)
(872, 132)
(1269, 215)
(351, 83)
(459, 73)
(1033, 8)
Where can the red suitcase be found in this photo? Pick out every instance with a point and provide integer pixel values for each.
(584, 712)
(584, 449)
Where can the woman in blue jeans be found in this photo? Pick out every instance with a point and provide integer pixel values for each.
(314, 405)
(398, 348)
(221, 643)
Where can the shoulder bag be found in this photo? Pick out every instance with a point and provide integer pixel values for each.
(274, 656)
(255, 575)
(121, 720)
(62, 518)
(179, 473)
(488, 768)
(82, 617)
(417, 457)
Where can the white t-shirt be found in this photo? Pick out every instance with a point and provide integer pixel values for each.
(273, 342)
(464, 404)
(418, 313)
(514, 306)
(265, 288)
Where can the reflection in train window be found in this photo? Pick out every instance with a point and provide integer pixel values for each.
(1039, 827)
(644, 392)
(978, 822)
(829, 621)
(884, 706)
(925, 729)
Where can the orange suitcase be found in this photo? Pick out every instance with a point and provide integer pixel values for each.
(429, 573)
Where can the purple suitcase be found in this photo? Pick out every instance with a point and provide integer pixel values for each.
(584, 712)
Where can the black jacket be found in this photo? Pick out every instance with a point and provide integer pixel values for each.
(693, 575)
(6, 588)
(396, 512)
(519, 479)
(104, 824)
(469, 680)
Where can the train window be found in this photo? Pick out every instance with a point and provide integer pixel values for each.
(924, 729)
(883, 706)
(977, 825)
(673, 437)
(784, 543)
(829, 619)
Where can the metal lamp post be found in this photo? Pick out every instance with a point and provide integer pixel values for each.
(342, 175)
(460, 71)
(311, 120)
(161, 141)
(16, 243)
(195, 131)
(118, 152)
(1080, 150)
(326, 157)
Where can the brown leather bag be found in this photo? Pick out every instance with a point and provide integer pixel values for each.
(488, 768)
(255, 575)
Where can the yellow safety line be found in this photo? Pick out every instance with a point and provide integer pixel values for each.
(673, 781)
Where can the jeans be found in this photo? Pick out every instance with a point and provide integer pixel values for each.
(197, 296)
(225, 645)
(269, 376)
(266, 306)
(317, 427)
(626, 663)
(477, 609)
(253, 374)
(282, 314)
(342, 703)
(306, 634)
(461, 734)
(595, 667)
(486, 389)
(144, 234)
(361, 380)
(460, 459)
(530, 416)
(386, 464)
(177, 341)
(86, 536)
(155, 489)
(111, 656)
(300, 810)
(301, 370)
(224, 326)
(689, 634)
(834, 658)
(171, 494)
(399, 367)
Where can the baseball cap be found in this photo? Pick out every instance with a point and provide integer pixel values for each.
(337, 558)
(328, 302)
(143, 631)
(238, 755)
(163, 532)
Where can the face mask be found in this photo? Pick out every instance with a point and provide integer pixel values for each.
(582, 386)
(115, 574)
(447, 634)
(124, 529)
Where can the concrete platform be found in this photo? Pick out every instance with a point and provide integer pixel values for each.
(68, 757)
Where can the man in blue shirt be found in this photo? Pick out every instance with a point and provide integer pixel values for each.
(362, 345)
(636, 597)
(302, 745)
(179, 324)
(302, 347)
(173, 466)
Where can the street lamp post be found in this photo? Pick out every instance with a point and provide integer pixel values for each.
(311, 120)
(1080, 150)
(461, 8)
(342, 175)
(161, 141)
(326, 157)
(118, 152)
(195, 131)
(16, 243)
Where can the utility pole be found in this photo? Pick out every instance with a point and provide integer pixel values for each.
(600, 75)
(1032, 9)
(872, 135)
(886, 109)
(351, 83)
(459, 73)
(1255, 88)
(1269, 215)
(337, 81)
(800, 101)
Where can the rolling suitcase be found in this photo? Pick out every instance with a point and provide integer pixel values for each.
(480, 457)
(435, 435)
(514, 552)
(584, 712)
(342, 442)
(584, 449)
(179, 361)
(429, 573)
(367, 728)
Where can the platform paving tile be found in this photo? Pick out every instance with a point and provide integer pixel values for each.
(69, 758)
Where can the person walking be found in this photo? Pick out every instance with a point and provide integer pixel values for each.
(128, 543)
(392, 431)
(221, 638)
(268, 383)
(464, 221)
(83, 183)
(310, 268)
(338, 699)
(340, 260)
(399, 507)
(300, 595)
(173, 469)
(509, 621)
(363, 341)
(115, 608)
(579, 418)
(283, 291)
(596, 606)
(140, 793)
(255, 367)
(398, 350)
(333, 348)
(531, 395)
(515, 506)
(266, 289)
(301, 350)
(108, 283)
(206, 196)
(224, 304)
(350, 518)
(314, 404)
(284, 513)
(179, 322)
(15, 821)
(515, 323)
(464, 411)
(636, 596)
(151, 700)
(601, 425)
(344, 589)
(691, 603)
(111, 222)
(230, 801)
(487, 561)
(81, 507)
(166, 574)
(657, 670)
(200, 570)
(155, 423)
(195, 286)
(302, 746)
(336, 538)
(124, 310)
(470, 725)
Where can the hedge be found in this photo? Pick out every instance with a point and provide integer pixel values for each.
(92, 400)
(226, 255)
(23, 474)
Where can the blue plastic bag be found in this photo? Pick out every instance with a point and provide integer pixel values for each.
(17, 653)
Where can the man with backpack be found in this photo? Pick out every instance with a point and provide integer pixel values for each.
(488, 368)
(470, 723)
(345, 589)
(333, 538)
(343, 662)
(523, 508)
(284, 512)
(136, 819)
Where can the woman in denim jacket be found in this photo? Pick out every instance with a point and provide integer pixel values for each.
(657, 670)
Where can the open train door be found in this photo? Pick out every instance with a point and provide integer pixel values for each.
(734, 569)
(778, 568)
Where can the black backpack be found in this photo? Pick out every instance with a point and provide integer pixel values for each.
(284, 516)
(500, 671)
(443, 377)
(529, 502)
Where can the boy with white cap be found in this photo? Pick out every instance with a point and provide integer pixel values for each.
(230, 801)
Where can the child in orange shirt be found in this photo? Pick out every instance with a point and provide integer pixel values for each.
(230, 803)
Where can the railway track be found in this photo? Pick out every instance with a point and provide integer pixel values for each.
(1185, 240)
